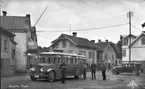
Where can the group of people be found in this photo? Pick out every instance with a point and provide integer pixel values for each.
(93, 69)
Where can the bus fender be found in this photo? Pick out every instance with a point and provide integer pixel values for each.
(48, 70)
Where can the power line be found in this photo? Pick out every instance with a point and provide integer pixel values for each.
(87, 28)
(42, 36)
(135, 27)
(41, 16)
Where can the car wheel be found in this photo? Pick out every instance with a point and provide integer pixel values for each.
(51, 76)
(134, 72)
(114, 72)
(33, 78)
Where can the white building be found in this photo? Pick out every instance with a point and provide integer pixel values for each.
(137, 48)
(21, 27)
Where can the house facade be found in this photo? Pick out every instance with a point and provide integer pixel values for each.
(137, 50)
(8, 47)
(125, 46)
(76, 45)
(108, 53)
(21, 27)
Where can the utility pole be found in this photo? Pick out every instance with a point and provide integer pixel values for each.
(130, 14)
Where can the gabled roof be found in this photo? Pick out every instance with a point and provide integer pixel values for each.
(78, 41)
(143, 33)
(103, 45)
(126, 36)
(13, 22)
(117, 50)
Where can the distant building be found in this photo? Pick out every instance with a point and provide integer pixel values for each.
(77, 45)
(21, 27)
(109, 53)
(8, 47)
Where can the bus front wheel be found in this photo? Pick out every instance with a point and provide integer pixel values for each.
(51, 76)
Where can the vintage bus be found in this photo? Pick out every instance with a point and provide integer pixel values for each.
(49, 62)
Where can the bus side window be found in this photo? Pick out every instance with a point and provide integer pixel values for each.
(48, 59)
(58, 60)
(54, 60)
(71, 61)
(75, 61)
(67, 60)
(43, 59)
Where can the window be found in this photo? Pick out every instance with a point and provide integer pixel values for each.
(90, 55)
(82, 52)
(93, 55)
(108, 48)
(126, 42)
(75, 61)
(44, 60)
(58, 60)
(71, 45)
(6, 45)
(124, 53)
(71, 61)
(112, 57)
(54, 60)
(105, 56)
(70, 51)
(64, 43)
(49, 60)
(143, 40)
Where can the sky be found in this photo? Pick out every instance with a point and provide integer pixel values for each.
(64, 16)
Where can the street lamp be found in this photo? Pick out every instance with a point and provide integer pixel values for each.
(28, 61)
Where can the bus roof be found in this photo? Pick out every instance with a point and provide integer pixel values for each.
(58, 53)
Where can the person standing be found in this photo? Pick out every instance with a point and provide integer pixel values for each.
(84, 70)
(93, 70)
(63, 71)
(103, 69)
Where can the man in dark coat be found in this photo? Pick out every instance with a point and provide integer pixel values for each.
(84, 70)
(93, 70)
(103, 68)
(63, 71)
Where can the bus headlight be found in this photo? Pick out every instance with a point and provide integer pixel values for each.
(41, 70)
(32, 69)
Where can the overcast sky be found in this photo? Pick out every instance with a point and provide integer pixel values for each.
(81, 14)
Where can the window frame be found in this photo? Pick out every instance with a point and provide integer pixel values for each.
(6, 45)
(63, 43)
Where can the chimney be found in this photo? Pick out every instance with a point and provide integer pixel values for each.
(106, 40)
(28, 15)
(74, 34)
(93, 41)
(4, 13)
(121, 37)
(99, 40)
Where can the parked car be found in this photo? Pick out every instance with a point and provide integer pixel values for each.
(134, 68)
